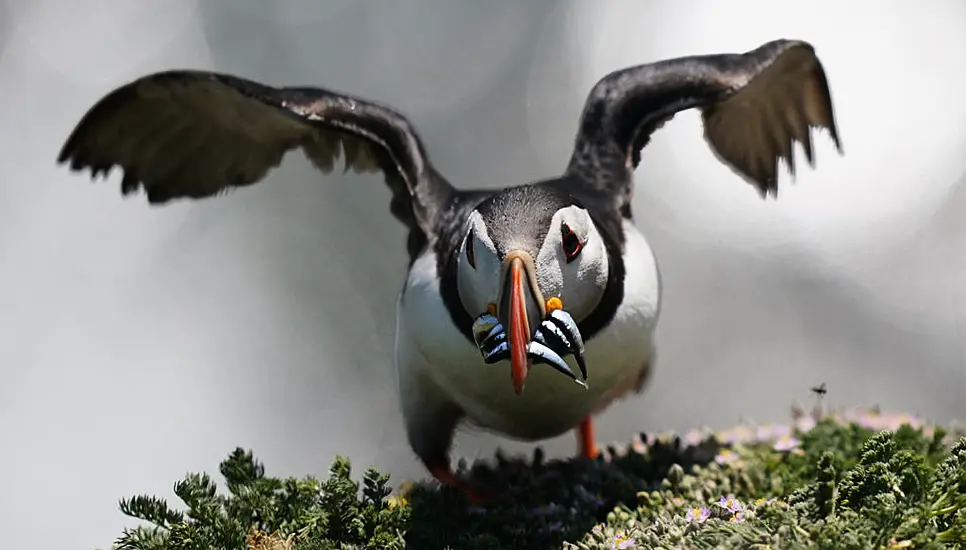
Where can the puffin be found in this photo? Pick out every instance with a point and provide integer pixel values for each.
(547, 281)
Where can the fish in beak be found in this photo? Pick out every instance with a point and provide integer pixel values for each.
(520, 310)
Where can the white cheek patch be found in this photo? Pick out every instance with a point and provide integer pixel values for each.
(550, 277)
(580, 283)
(480, 286)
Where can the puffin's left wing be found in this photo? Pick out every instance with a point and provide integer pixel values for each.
(194, 134)
(754, 107)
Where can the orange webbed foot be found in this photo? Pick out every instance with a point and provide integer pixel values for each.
(473, 493)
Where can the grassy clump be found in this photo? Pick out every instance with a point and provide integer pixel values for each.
(837, 483)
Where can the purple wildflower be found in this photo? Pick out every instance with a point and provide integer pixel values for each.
(730, 504)
(694, 437)
(897, 420)
(772, 431)
(698, 514)
(869, 421)
(734, 506)
(805, 424)
(739, 434)
(876, 420)
(623, 542)
(726, 456)
(786, 443)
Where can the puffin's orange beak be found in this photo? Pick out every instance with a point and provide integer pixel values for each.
(520, 310)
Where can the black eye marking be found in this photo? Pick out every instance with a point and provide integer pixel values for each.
(470, 249)
(571, 242)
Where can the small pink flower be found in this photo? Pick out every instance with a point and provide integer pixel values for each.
(786, 443)
(805, 424)
(739, 434)
(694, 437)
(730, 504)
(726, 456)
(698, 514)
(768, 432)
(869, 421)
(623, 542)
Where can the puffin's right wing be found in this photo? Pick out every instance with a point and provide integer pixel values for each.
(194, 134)
(753, 105)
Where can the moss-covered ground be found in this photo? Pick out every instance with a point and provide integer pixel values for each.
(847, 480)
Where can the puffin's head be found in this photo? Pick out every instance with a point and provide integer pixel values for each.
(528, 250)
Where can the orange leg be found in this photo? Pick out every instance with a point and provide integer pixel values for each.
(444, 474)
(586, 442)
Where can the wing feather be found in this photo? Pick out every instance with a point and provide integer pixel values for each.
(195, 134)
(755, 106)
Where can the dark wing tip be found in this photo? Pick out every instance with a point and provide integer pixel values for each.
(96, 113)
(65, 153)
(188, 134)
(183, 134)
(779, 94)
(79, 151)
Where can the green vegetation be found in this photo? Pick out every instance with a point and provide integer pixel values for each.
(844, 481)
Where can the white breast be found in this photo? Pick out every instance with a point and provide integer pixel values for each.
(429, 347)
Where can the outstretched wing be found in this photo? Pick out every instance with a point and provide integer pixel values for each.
(754, 107)
(195, 134)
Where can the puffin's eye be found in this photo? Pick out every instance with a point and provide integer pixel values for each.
(571, 242)
(470, 253)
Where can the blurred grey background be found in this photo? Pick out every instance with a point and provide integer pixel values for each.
(139, 343)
